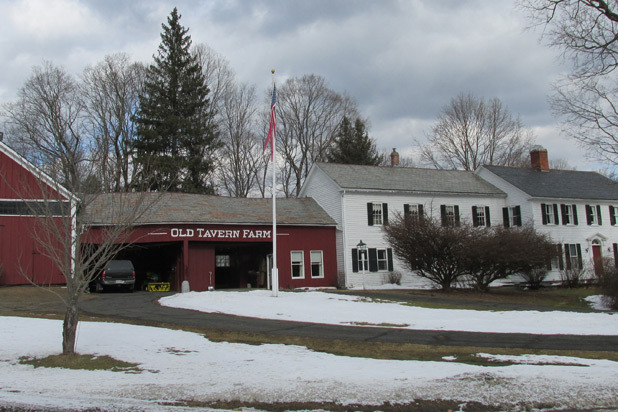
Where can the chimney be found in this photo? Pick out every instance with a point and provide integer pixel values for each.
(394, 158)
(538, 158)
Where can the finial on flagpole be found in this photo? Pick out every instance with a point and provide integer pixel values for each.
(273, 71)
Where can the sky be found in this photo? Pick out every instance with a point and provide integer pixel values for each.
(403, 61)
(176, 366)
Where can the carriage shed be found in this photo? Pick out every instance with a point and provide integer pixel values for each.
(222, 242)
(24, 257)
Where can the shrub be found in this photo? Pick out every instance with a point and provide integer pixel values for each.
(534, 277)
(608, 281)
(394, 278)
(572, 278)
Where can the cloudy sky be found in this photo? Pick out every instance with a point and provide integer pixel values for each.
(401, 60)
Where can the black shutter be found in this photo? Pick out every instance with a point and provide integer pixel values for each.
(355, 260)
(543, 214)
(568, 256)
(370, 214)
(373, 260)
(420, 212)
(579, 256)
(406, 210)
(389, 252)
(475, 221)
(575, 214)
(599, 215)
(385, 213)
(518, 215)
(505, 216)
(443, 214)
(612, 217)
(589, 214)
(487, 217)
(560, 257)
(456, 215)
(616, 254)
(556, 214)
(564, 214)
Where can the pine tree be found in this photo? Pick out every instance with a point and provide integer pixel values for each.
(174, 133)
(353, 145)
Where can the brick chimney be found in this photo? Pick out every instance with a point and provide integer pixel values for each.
(538, 159)
(394, 158)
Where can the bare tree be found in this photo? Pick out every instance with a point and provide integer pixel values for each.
(586, 31)
(471, 132)
(45, 123)
(240, 160)
(110, 91)
(308, 117)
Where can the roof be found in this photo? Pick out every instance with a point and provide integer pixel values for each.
(165, 208)
(564, 184)
(408, 179)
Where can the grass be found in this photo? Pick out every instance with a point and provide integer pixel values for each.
(85, 362)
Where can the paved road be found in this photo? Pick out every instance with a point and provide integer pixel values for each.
(142, 307)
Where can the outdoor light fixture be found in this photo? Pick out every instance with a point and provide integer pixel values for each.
(361, 250)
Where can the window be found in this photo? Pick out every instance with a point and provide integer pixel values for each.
(298, 265)
(613, 215)
(377, 214)
(222, 261)
(511, 216)
(556, 261)
(593, 214)
(569, 214)
(382, 260)
(549, 214)
(480, 216)
(450, 215)
(415, 212)
(30, 208)
(573, 253)
(317, 266)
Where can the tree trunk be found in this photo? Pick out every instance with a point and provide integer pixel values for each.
(69, 329)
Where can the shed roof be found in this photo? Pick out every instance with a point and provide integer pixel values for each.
(564, 184)
(407, 179)
(162, 208)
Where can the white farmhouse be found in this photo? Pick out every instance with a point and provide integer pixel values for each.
(578, 210)
(361, 199)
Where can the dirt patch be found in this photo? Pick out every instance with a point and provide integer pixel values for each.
(34, 301)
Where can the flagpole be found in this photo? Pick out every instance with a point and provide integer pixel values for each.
(275, 269)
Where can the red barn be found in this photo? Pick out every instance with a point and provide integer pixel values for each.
(223, 242)
(22, 185)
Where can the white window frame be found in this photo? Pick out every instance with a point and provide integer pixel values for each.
(414, 212)
(382, 262)
(549, 214)
(615, 217)
(570, 216)
(449, 215)
(594, 217)
(297, 263)
(320, 262)
(480, 217)
(512, 219)
(573, 256)
(377, 213)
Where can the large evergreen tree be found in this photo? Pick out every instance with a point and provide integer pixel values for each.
(175, 137)
(353, 145)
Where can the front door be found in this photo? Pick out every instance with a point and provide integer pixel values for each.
(597, 258)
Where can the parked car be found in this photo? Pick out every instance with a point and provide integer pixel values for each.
(117, 274)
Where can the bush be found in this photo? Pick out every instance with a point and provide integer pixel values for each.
(608, 282)
(572, 278)
(534, 277)
(394, 278)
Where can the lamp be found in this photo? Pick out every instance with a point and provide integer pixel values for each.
(361, 250)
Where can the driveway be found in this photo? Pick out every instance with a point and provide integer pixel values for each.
(142, 307)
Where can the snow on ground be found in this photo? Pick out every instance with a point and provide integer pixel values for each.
(330, 308)
(183, 366)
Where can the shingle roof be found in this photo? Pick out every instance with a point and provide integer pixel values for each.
(192, 208)
(569, 184)
(408, 179)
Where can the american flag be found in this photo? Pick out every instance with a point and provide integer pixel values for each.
(270, 138)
